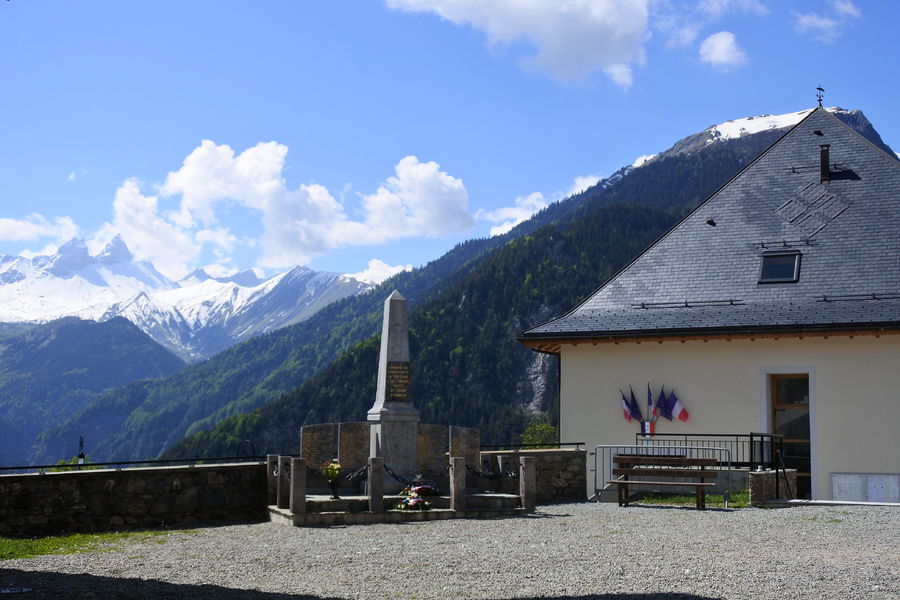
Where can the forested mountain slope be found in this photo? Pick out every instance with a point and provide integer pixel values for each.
(50, 372)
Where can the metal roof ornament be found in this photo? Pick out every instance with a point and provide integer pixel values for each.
(820, 93)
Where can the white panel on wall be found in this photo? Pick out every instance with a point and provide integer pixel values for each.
(851, 488)
(858, 487)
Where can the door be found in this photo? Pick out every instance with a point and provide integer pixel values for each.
(790, 418)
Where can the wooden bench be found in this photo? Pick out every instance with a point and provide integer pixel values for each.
(674, 467)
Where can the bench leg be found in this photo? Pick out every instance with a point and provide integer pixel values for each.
(701, 497)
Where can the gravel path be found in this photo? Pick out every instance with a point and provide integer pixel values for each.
(574, 551)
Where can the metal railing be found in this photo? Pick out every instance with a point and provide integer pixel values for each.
(119, 464)
(577, 446)
(603, 460)
(749, 450)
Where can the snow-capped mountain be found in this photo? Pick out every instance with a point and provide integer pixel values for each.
(774, 125)
(195, 317)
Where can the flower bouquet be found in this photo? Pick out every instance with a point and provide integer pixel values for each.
(412, 497)
(331, 471)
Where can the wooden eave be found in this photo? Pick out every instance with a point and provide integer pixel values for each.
(553, 346)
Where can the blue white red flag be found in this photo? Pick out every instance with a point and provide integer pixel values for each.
(652, 409)
(625, 407)
(678, 411)
(664, 405)
(648, 427)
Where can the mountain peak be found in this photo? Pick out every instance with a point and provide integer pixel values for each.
(198, 275)
(247, 278)
(115, 252)
(71, 256)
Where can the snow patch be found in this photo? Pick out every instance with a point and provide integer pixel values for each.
(747, 126)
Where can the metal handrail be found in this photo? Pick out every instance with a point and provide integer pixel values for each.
(171, 461)
(517, 446)
(751, 449)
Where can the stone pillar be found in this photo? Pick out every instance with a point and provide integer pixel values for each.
(271, 482)
(376, 484)
(298, 486)
(457, 483)
(393, 416)
(283, 486)
(762, 485)
(466, 442)
(527, 482)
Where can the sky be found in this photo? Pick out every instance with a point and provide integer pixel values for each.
(369, 136)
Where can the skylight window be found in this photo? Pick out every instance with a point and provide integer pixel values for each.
(780, 267)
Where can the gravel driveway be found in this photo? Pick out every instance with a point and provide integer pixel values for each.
(575, 551)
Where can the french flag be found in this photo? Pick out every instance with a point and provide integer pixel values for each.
(652, 409)
(625, 407)
(678, 410)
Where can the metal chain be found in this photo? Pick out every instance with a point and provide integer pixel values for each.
(357, 473)
(492, 475)
(399, 478)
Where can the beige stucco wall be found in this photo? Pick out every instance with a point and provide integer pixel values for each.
(854, 393)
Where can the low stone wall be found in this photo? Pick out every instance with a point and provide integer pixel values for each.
(561, 473)
(110, 500)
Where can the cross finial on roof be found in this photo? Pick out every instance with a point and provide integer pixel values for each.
(820, 93)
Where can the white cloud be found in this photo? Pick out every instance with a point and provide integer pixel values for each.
(71, 176)
(682, 23)
(301, 223)
(149, 236)
(419, 200)
(581, 183)
(722, 51)
(715, 9)
(35, 227)
(824, 28)
(524, 207)
(510, 216)
(846, 8)
(378, 271)
(572, 38)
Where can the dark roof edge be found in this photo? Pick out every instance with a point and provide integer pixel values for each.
(892, 157)
(691, 213)
(703, 331)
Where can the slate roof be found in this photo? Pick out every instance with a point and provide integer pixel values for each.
(703, 279)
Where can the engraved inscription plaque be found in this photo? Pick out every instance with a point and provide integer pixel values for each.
(397, 382)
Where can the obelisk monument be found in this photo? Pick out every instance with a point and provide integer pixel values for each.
(393, 416)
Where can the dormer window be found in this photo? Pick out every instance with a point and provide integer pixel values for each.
(781, 266)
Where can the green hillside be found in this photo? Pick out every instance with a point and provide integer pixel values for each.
(50, 372)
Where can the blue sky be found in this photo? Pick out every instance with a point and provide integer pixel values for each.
(228, 134)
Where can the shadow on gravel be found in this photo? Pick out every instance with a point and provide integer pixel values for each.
(691, 508)
(35, 585)
(41, 585)
(658, 596)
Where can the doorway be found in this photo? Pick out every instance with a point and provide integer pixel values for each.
(789, 395)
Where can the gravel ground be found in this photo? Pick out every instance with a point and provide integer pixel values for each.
(573, 551)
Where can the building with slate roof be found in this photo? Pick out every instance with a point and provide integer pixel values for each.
(773, 307)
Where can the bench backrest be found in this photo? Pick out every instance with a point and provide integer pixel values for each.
(668, 461)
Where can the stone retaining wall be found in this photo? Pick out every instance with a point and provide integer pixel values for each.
(110, 500)
(561, 473)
